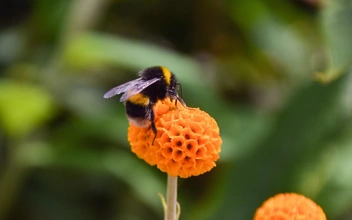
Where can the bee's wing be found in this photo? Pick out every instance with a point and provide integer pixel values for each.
(121, 88)
(137, 88)
(130, 88)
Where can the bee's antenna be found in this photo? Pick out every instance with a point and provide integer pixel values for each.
(177, 97)
(181, 89)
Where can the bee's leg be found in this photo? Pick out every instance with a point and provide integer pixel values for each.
(178, 98)
(175, 103)
(152, 123)
(154, 131)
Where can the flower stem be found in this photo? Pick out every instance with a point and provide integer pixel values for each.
(171, 198)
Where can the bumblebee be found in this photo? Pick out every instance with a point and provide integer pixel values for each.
(140, 95)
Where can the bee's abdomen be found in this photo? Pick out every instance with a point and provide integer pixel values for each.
(138, 115)
(136, 110)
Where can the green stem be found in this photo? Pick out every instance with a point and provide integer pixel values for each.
(171, 198)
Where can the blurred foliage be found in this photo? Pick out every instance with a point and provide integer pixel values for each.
(276, 75)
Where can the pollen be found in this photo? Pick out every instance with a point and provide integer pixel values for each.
(289, 206)
(187, 142)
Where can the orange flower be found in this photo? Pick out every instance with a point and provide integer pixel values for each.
(289, 206)
(187, 142)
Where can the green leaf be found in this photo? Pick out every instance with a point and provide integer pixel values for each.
(23, 107)
(337, 29)
(94, 50)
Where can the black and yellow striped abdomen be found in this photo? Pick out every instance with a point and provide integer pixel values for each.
(138, 110)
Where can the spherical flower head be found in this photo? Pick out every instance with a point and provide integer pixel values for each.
(187, 142)
(289, 206)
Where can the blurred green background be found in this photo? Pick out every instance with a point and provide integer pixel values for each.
(276, 75)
